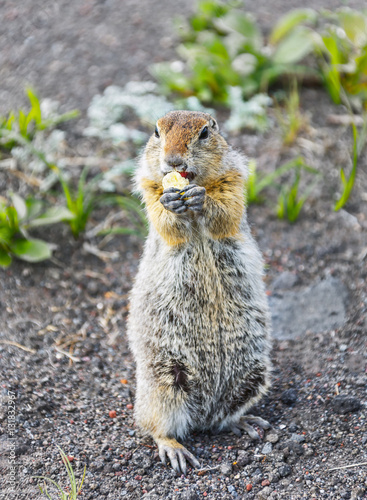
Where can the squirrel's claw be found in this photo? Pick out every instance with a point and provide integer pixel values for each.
(264, 424)
(177, 456)
(244, 424)
(194, 197)
(172, 201)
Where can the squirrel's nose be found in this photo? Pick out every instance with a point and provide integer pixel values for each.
(174, 160)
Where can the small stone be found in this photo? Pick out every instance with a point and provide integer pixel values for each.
(289, 397)
(226, 468)
(343, 347)
(319, 307)
(265, 492)
(346, 404)
(293, 447)
(267, 448)
(274, 477)
(272, 437)
(285, 470)
(243, 458)
(298, 438)
(93, 288)
(249, 487)
(266, 482)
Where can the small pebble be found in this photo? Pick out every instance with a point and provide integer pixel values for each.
(346, 404)
(285, 470)
(243, 458)
(264, 493)
(272, 437)
(298, 438)
(226, 468)
(289, 397)
(267, 448)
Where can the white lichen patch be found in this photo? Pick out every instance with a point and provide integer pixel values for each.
(247, 114)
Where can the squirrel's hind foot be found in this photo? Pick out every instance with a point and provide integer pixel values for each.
(177, 455)
(244, 425)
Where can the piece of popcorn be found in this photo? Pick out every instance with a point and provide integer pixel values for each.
(174, 179)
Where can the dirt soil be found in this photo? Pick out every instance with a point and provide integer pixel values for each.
(74, 383)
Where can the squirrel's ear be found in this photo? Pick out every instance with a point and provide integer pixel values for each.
(214, 124)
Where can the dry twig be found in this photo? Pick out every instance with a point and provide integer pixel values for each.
(20, 346)
(347, 466)
(64, 353)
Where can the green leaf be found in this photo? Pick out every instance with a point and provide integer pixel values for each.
(23, 123)
(12, 219)
(19, 205)
(52, 216)
(121, 230)
(32, 250)
(6, 234)
(34, 207)
(331, 46)
(342, 176)
(56, 120)
(10, 120)
(35, 112)
(236, 20)
(294, 47)
(354, 23)
(5, 259)
(289, 21)
(348, 184)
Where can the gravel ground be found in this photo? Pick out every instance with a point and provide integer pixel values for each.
(77, 303)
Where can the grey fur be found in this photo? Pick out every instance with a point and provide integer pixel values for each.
(199, 324)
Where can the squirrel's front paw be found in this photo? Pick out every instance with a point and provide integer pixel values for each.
(194, 197)
(172, 201)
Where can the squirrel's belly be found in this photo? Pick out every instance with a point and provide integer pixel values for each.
(200, 316)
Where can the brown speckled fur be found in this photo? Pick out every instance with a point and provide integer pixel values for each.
(199, 323)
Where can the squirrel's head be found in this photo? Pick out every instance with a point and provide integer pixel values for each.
(187, 142)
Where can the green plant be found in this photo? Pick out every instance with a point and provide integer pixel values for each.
(223, 47)
(291, 120)
(134, 209)
(342, 55)
(290, 203)
(80, 202)
(256, 183)
(27, 124)
(348, 184)
(17, 219)
(74, 488)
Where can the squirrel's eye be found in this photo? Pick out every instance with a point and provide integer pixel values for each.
(156, 132)
(204, 133)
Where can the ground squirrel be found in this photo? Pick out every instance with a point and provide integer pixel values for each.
(199, 323)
